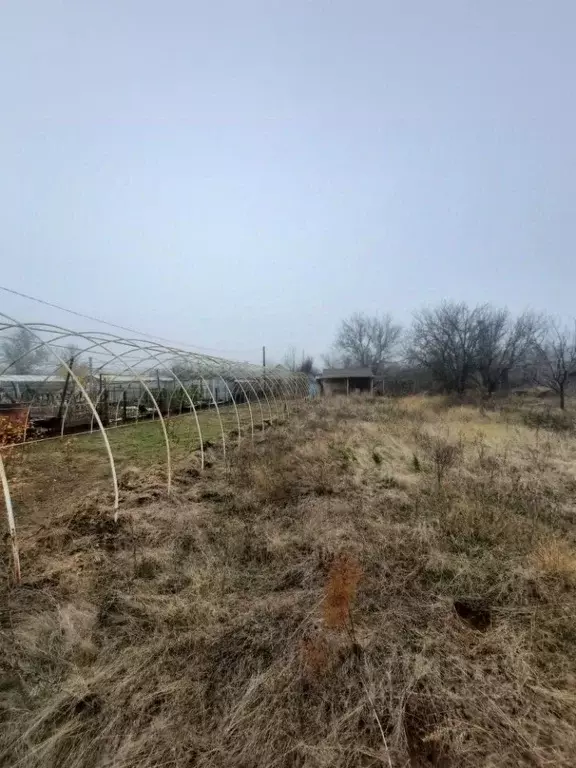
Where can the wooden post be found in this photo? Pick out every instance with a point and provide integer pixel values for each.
(65, 390)
(105, 410)
(103, 402)
(347, 386)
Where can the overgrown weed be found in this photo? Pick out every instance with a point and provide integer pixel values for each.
(315, 607)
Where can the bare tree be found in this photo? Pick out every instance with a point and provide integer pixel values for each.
(307, 365)
(304, 365)
(334, 360)
(504, 343)
(72, 355)
(445, 341)
(289, 360)
(556, 359)
(21, 351)
(367, 341)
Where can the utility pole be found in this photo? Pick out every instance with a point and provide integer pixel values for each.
(263, 357)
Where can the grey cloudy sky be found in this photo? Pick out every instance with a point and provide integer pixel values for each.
(238, 173)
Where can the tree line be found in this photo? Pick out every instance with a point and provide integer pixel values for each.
(455, 347)
(451, 347)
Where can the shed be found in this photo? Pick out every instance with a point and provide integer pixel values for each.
(346, 381)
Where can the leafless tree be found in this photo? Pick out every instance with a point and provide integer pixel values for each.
(72, 352)
(367, 341)
(504, 343)
(23, 351)
(290, 359)
(556, 359)
(305, 364)
(334, 360)
(445, 341)
(72, 355)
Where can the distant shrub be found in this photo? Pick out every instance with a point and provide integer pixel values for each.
(548, 418)
(442, 454)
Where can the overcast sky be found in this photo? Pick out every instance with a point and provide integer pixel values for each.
(245, 172)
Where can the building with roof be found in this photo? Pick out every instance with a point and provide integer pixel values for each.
(18, 387)
(346, 381)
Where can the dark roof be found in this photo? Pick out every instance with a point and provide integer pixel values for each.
(347, 373)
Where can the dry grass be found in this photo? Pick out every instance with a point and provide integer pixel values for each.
(374, 583)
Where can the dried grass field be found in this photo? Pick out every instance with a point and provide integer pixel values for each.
(372, 583)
